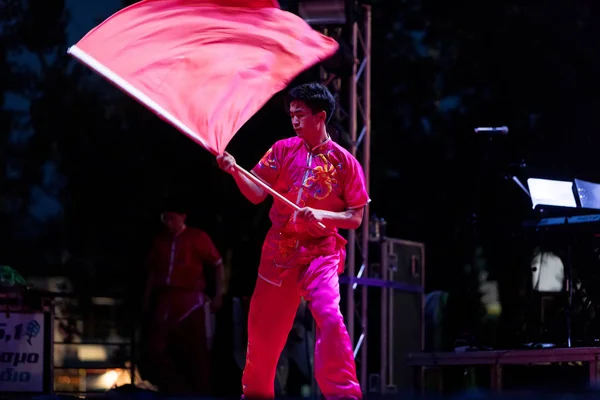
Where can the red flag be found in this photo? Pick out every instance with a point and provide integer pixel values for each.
(205, 66)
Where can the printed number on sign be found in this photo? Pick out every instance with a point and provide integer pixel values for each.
(6, 335)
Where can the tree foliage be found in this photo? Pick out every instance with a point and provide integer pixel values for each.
(35, 79)
(84, 168)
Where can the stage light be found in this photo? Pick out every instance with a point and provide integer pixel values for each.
(108, 379)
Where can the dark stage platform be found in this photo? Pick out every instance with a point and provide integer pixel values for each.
(540, 394)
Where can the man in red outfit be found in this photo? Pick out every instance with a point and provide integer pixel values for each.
(175, 298)
(299, 258)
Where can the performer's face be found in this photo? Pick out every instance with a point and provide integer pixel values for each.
(306, 123)
(173, 221)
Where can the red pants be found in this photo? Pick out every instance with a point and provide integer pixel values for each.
(272, 312)
(177, 348)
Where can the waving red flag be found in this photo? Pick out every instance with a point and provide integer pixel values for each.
(205, 66)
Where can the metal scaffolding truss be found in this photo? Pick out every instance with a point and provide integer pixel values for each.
(354, 121)
(360, 134)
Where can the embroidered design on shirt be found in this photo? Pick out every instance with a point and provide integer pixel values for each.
(268, 160)
(322, 179)
(286, 247)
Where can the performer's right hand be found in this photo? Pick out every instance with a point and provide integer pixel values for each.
(226, 162)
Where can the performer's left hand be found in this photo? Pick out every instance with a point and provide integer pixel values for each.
(316, 219)
(311, 214)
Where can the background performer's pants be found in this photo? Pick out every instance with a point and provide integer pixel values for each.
(177, 348)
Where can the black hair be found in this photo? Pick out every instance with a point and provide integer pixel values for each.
(174, 205)
(316, 96)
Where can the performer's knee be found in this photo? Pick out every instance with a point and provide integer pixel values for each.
(328, 319)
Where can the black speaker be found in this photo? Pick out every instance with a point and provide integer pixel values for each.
(403, 266)
(395, 316)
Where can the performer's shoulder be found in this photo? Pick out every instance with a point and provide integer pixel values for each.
(284, 146)
(195, 232)
(339, 149)
(288, 142)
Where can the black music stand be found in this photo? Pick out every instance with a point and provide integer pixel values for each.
(545, 192)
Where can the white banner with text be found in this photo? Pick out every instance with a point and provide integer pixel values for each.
(21, 352)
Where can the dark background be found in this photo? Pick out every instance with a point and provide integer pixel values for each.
(84, 169)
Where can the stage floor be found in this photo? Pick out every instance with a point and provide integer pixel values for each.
(521, 395)
(587, 358)
(496, 360)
